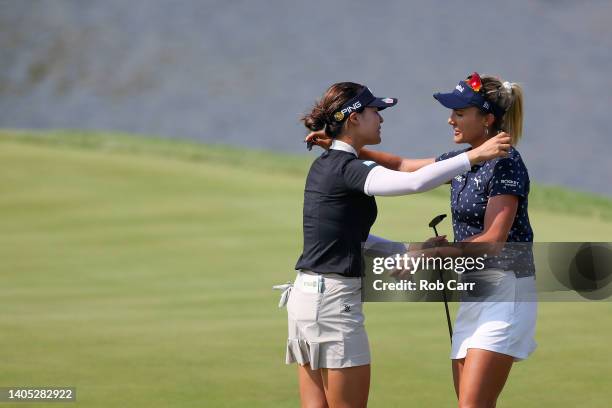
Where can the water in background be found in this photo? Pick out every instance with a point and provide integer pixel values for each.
(242, 72)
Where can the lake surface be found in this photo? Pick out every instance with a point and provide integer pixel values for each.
(242, 72)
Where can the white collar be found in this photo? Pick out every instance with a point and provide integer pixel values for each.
(345, 147)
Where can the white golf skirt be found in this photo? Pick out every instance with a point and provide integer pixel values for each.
(325, 321)
(506, 326)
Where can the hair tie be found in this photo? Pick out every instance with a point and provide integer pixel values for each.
(508, 86)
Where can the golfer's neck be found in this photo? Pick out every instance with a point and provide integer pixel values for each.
(478, 142)
(346, 138)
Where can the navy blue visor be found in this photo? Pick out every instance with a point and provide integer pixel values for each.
(464, 96)
(363, 99)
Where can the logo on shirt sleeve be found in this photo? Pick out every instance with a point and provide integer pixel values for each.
(368, 163)
(510, 183)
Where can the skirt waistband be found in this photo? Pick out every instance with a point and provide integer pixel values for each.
(330, 276)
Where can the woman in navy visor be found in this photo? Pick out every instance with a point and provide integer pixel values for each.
(326, 333)
(488, 205)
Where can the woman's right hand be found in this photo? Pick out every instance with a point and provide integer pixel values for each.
(497, 146)
(319, 138)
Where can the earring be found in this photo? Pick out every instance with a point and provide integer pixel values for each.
(486, 131)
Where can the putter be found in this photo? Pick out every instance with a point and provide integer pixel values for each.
(438, 219)
(433, 223)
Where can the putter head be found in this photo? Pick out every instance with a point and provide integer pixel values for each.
(437, 219)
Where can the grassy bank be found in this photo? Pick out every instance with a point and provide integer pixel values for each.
(139, 270)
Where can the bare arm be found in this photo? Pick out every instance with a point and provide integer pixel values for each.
(394, 162)
(497, 146)
(498, 219)
(388, 160)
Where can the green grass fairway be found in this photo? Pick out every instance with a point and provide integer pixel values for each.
(139, 270)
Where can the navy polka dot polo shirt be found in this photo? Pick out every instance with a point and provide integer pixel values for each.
(471, 191)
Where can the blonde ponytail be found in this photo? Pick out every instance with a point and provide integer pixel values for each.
(508, 96)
